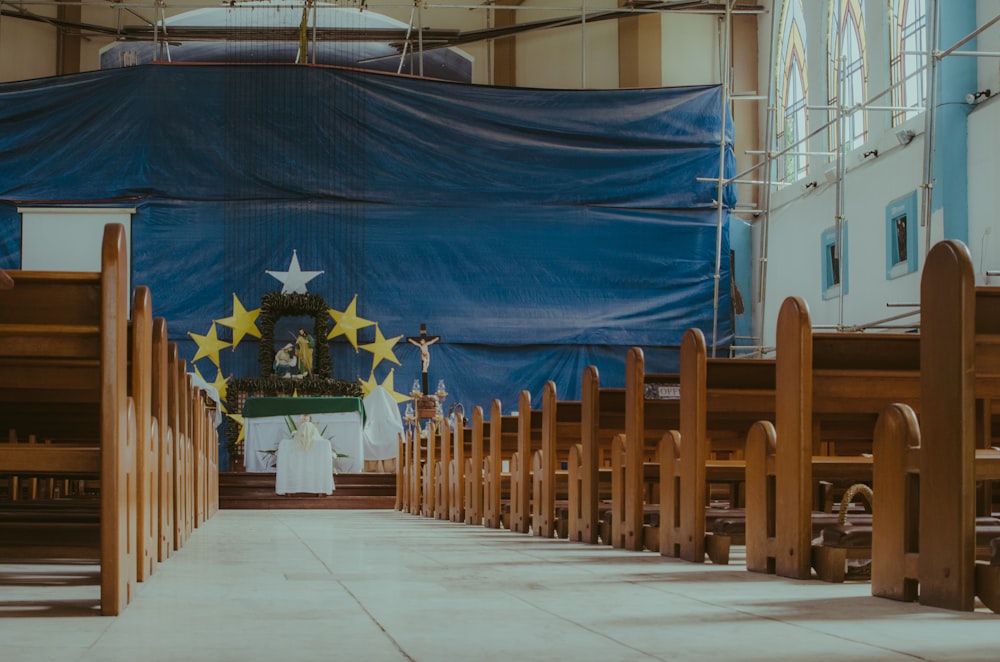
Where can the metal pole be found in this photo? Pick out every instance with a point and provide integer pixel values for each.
(420, 36)
(975, 33)
(406, 42)
(930, 116)
(583, 44)
(765, 200)
(723, 107)
(841, 171)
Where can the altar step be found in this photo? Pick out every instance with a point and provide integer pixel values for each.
(245, 491)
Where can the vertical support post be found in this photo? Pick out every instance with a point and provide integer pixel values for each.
(793, 428)
(635, 370)
(724, 105)
(590, 421)
(694, 450)
(947, 422)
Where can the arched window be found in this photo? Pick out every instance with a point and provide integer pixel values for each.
(908, 37)
(791, 94)
(847, 75)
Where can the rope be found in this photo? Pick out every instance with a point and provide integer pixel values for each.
(849, 494)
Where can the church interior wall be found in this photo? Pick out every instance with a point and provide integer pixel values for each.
(689, 53)
(799, 215)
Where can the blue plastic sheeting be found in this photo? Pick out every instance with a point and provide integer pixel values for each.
(535, 231)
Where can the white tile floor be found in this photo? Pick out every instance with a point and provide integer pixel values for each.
(286, 585)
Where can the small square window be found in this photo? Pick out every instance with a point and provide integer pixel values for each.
(901, 236)
(834, 262)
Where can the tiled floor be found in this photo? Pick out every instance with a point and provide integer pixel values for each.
(287, 585)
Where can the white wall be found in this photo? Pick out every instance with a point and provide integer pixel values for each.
(984, 190)
(690, 53)
(798, 219)
(555, 58)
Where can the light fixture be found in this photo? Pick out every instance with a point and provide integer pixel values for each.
(905, 136)
(973, 99)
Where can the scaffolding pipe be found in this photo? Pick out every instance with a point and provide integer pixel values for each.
(838, 218)
(723, 107)
(765, 200)
(583, 44)
(930, 117)
(937, 55)
(406, 41)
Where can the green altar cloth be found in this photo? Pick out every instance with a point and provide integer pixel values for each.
(260, 407)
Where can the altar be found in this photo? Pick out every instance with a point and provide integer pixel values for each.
(339, 419)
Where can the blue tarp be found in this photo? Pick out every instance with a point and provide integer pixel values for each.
(535, 231)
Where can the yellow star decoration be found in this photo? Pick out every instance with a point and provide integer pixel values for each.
(221, 384)
(348, 323)
(208, 345)
(389, 384)
(243, 430)
(367, 386)
(382, 348)
(242, 322)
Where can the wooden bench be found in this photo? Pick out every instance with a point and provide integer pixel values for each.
(503, 442)
(589, 472)
(925, 541)
(720, 400)
(140, 389)
(63, 350)
(829, 386)
(635, 476)
(160, 395)
(529, 439)
(560, 431)
(478, 433)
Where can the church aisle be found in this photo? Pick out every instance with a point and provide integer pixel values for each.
(287, 585)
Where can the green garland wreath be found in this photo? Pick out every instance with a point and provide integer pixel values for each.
(274, 306)
(240, 388)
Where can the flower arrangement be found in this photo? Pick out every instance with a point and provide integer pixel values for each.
(305, 433)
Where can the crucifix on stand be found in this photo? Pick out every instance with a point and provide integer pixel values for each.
(424, 341)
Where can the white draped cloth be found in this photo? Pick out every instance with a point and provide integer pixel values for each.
(305, 462)
(383, 425)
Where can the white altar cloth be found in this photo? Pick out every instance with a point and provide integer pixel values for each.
(344, 430)
(304, 469)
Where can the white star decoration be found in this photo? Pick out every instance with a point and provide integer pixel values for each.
(294, 280)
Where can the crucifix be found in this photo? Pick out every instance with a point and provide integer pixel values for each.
(423, 341)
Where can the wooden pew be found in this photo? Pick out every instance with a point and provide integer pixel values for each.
(560, 431)
(529, 437)
(602, 417)
(427, 486)
(147, 441)
(178, 423)
(834, 384)
(720, 399)
(442, 470)
(160, 408)
(503, 442)
(646, 421)
(456, 470)
(63, 352)
(925, 541)
(474, 484)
